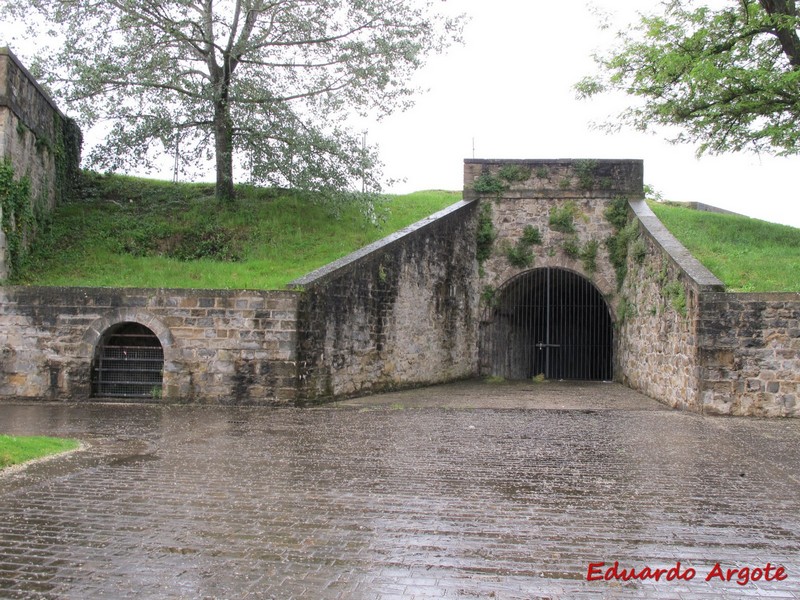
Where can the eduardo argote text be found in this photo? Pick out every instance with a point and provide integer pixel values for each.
(600, 571)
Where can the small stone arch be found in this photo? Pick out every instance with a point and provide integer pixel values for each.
(128, 350)
(127, 315)
(548, 321)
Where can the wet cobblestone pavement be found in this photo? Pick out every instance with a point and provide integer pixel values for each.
(462, 491)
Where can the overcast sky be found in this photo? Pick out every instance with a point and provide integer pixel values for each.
(509, 88)
(508, 92)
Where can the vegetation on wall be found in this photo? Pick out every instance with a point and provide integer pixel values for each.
(18, 217)
(624, 233)
(562, 218)
(489, 296)
(521, 255)
(67, 153)
(531, 235)
(585, 170)
(674, 292)
(589, 256)
(514, 173)
(486, 233)
(493, 185)
(24, 215)
(571, 247)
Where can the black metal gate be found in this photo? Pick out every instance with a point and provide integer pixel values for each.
(550, 322)
(128, 363)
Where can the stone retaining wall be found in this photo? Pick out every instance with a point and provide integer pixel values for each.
(688, 343)
(749, 354)
(41, 145)
(219, 346)
(398, 313)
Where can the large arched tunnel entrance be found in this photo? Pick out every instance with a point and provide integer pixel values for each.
(550, 322)
(128, 363)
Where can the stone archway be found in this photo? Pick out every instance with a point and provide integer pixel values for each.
(128, 362)
(551, 322)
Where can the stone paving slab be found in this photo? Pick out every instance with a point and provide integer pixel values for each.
(433, 493)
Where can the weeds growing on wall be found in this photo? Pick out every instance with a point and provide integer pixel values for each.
(514, 173)
(585, 169)
(489, 184)
(519, 255)
(571, 247)
(18, 217)
(624, 233)
(494, 185)
(67, 154)
(625, 310)
(531, 235)
(486, 233)
(562, 218)
(489, 296)
(589, 256)
(675, 294)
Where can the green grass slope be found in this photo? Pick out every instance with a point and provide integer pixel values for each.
(131, 232)
(748, 255)
(15, 450)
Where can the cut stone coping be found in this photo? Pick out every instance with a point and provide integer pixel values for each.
(702, 278)
(349, 262)
(7, 101)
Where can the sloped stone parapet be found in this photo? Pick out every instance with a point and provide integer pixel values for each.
(398, 313)
(689, 343)
(697, 274)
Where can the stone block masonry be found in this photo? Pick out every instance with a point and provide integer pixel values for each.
(581, 189)
(219, 346)
(400, 312)
(687, 342)
(42, 147)
(749, 352)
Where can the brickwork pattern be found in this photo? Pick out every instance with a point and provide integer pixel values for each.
(688, 343)
(219, 346)
(380, 503)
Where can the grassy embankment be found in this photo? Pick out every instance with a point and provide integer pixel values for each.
(131, 232)
(15, 450)
(748, 255)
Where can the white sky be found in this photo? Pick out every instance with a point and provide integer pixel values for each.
(509, 90)
(509, 87)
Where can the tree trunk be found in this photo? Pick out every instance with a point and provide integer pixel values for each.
(223, 139)
(785, 31)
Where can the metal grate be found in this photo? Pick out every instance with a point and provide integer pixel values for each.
(129, 363)
(551, 322)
